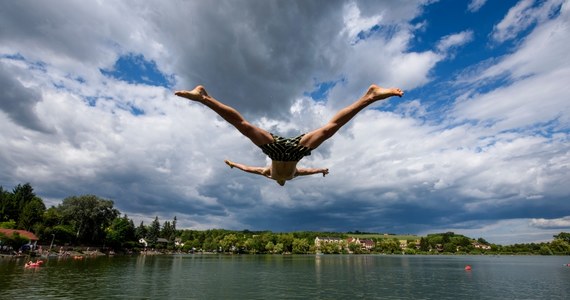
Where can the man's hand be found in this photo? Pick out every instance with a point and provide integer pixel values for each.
(311, 171)
(229, 163)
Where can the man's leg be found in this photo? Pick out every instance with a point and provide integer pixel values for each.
(375, 93)
(257, 135)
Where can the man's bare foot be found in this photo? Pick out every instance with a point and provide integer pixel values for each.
(378, 93)
(197, 94)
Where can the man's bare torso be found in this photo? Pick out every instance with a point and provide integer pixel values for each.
(282, 170)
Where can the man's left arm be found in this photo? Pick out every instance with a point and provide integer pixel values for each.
(311, 171)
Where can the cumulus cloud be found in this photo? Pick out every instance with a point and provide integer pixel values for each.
(491, 155)
(475, 5)
(505, 232)
(454, 40)
(18, 101)
(355, 24)
(559, 223)
(521, 16)
(537, 91)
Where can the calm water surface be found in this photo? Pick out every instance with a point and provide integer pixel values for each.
(289, 277)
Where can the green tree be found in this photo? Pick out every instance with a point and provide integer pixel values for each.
(22, 194)
(153, 232)
(424, 245)
(211, 244)
(8, 207)
(300, 246)
(141, 232)
(8, 224)
(269, 247)
(449, 248)
(545, 250)
(482, 241)
(287, 241)
(278, 249)
(560, 246)
(229, 242)
(121, 233)
(89, 216)
(388, 246)
(253, 245)
(446, 237)
(32, 213)
(462, 241)
(167, 232)
(62, 234)
(52, 217)
(12, 204)
(565, 236)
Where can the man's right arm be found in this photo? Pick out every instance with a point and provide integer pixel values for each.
(249, 169)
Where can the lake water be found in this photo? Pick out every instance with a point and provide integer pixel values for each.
(289, 277)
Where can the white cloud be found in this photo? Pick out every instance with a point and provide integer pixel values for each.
(504, 232)
(529, 59)
(354, 23)
(454, 40)
(560, 223)
(537, 92)
(475, 5)
(517, 19)
(521, 16)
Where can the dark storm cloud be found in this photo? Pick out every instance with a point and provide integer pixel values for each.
(18, 101)
(259, 55)
(75, 30)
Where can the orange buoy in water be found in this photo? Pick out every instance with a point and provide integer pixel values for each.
(467, 268)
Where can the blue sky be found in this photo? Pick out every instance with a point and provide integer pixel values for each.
(478, 145)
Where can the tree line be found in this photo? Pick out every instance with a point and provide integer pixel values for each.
(89, 220)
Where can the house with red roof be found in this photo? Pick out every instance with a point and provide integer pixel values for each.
(365, 244)
(32, 238)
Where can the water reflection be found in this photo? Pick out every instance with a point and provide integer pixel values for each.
(289, 277)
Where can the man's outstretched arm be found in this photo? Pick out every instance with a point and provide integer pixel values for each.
(249, 169)
(311, 171)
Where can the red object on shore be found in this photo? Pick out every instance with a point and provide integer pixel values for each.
(467, 268)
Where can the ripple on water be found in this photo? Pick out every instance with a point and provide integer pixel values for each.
(290, 277)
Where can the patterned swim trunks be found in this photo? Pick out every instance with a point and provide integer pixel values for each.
(285, 149)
